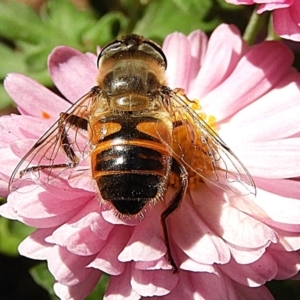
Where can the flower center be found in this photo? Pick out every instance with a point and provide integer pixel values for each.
(192, 144)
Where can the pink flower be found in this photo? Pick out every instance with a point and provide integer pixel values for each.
(286, 15)
(227, 246)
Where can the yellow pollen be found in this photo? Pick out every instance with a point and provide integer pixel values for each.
(195, 105)
(190, 147)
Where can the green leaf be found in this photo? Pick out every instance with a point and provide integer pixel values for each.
(163, 17)
(227, 6)
(44, 278)
(5, 101)
(106, 29)
(100, 289)
(10, 61)
(68, 22)
(201, 7)
(11, 235)
(19, 22)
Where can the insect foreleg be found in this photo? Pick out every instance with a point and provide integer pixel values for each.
(180, 171)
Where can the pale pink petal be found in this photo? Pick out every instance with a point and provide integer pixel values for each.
(43, 205)
(268, 5)
(189, 264)
(178, 52)
(79, 291)
(146, 242)
(3, 189)
(119, 287)
(35, 245)
(18, 127)
(238, 2)
(244, 255)
(254, 274)
(247, 293)
(202, 286)
(153, 283)
(72, 72)
(288, 263)
(218, 65)
(259, 157)
(279, 108)
(7, 211)
(107, 259)
(233, 94)
(286, 15)
(159, 264)
(285, 26)
(42, 211)
(88, 215)
(8, 162)
(198, 42)
(201, 243)
(84, 242)
(68, 268)
(33, 99)
(231, 224)
(288, 241)
(82, 179)
(278, 208)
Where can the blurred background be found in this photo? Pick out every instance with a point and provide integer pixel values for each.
(30, 29)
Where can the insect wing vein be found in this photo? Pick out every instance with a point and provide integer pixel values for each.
(49, 156)
(198, 147)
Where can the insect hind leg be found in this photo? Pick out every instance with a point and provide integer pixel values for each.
(180, 171)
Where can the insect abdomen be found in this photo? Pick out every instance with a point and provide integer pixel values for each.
(130, 169)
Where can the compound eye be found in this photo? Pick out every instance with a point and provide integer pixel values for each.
(110, 48)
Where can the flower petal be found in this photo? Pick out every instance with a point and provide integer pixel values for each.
(254, 274)
(288, 263)
(284, 25)
(107, 259)
(34, 99)
(201, 243)
(119, 287)
(202, 286)
(231, 224)
(271, 159)
(218, 65)
(198, 43)
(72, 72)
(153, 283)
(68, 268)
(279, 110)
(146, 242)
(248, 82)
(40, 209)
(247, 293)
(178, 52)
(79, 291)
(35, 245)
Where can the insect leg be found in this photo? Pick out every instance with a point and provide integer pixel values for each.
(72, 121)
(180, 171)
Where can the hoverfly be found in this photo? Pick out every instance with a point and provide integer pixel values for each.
(137, 133)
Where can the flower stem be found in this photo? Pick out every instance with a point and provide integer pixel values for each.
(272, 36)
(255, 26)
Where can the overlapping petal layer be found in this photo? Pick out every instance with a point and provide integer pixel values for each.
(227, 246)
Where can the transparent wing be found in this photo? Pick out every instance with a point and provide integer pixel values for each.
(203, 152)
(60, 149)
